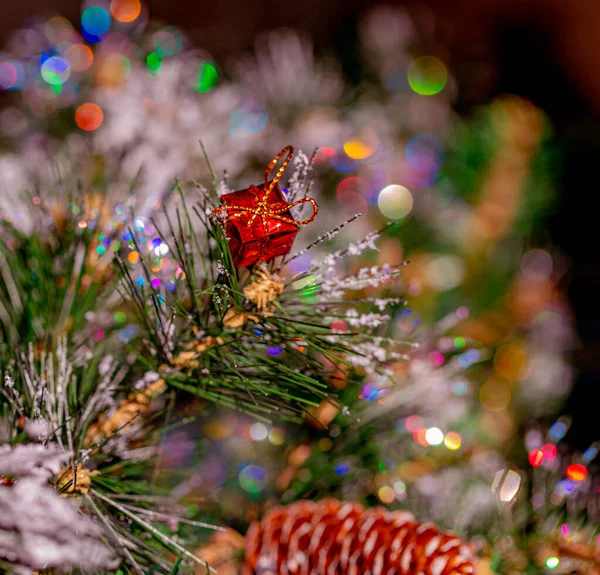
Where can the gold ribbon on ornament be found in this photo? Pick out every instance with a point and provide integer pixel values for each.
(263, 209)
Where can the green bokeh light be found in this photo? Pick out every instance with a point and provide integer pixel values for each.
(427, 75)
(119, 317)
(154, 62)
(51, 77)
(207, 77)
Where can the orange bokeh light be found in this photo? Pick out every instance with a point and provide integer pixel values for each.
(89, 116)
(80, 57)
(125, 10)
(419, 437)
(112, 70)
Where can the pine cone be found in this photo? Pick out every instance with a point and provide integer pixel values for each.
(336, 538)
(223, 552)
(264, 290)
(126, 414)
(78, 482)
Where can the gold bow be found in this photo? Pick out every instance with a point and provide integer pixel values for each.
(263, 209)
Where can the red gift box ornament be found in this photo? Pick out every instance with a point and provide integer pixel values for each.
(259, 225)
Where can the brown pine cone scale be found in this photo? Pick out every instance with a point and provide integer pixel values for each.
(335, 538)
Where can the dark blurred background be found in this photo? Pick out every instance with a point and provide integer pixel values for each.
(544, 50)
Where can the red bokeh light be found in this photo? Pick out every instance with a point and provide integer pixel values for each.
(89, 116)
(576, 472)
(536, 457)
(549, 451)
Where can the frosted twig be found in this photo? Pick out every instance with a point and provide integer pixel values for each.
(167, 517)
(352, 249)
(112, 532)
(326, 236)
(167, 540)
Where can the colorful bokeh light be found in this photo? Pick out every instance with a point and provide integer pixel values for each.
(436, 358)
(576, 472)
(495, 395)
(343, 163)
(452, 440)
(506, 485)
(460, 388)
(413, 422)
(359, 149)
(395, 201)
(427, 75)
(252, 479)
(276, 436)
(536, 457)
(125, 10)
(434, 436)
(119, 317)
(95, 21)
(325, 154)
(167, 41)
(353, 191)
(590, 454)
(459, 342)
(258, 431)
(8, 75)
(558, 429)
(207, 77)
(510, 362)
(425, 153)
(89, 116)
(79, 56)
(420, 436)
(154, 62)
(249, 118)
(339, 325)
(113, 70)
(549, 450)
(386, 494)
(55, 70)
(57, 29)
